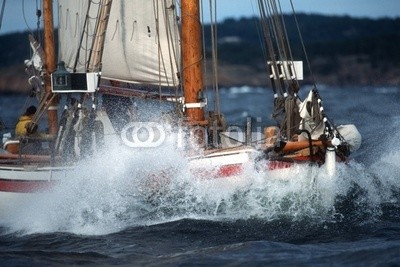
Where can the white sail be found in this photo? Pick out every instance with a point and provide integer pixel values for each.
(76, 27)
(141, 44)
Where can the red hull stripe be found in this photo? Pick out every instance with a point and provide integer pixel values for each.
(229, 170)
(219, 172)
(21, 186)
(274, 165)
(236, 169)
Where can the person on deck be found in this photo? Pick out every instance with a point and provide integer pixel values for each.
(27, 128)
(23, 127)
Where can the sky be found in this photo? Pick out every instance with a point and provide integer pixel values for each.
(19, 15)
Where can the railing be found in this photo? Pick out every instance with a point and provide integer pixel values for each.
(29, 150)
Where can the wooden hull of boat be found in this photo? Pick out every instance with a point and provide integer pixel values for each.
(21, 180)
(222, 169)
(19, 185)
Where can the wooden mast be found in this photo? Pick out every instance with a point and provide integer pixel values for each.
(192, 56)
(50, 64)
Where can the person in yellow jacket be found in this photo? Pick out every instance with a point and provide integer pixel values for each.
(25, 122)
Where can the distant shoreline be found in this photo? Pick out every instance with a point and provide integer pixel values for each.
(343, 51)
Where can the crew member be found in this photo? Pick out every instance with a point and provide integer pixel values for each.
(24, 125)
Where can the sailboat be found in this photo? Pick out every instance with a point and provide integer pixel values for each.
(112, 53)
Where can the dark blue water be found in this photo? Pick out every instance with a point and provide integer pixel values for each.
(100, 217)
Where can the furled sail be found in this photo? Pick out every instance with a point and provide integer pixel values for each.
(141, 44)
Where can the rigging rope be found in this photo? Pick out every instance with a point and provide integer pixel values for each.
(302, 44)
(74, 67)
(157, 15)
(2, 12)
(289, 57)
(24, 16)
(265, 33)
(38, 15)
(171, 48)
(280, 42)
(276, 37)
(281, 67)
(214, 52)
(270, 35)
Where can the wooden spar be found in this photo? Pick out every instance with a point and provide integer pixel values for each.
(98, 44)
(192, 56)
(297, 145)
(50, 64)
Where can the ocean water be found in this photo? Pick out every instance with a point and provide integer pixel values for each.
(101, 215)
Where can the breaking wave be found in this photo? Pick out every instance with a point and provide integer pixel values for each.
(117, 190)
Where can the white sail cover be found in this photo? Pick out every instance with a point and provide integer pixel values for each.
(141, 44)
